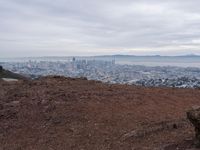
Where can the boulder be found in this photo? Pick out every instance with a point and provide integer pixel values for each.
(194, 117)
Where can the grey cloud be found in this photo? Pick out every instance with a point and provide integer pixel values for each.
(77, 27)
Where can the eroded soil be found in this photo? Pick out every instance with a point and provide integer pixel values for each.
(57, 113)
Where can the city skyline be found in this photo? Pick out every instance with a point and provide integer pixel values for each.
(88, 28)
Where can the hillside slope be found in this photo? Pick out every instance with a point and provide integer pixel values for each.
(76, 114)
(8, 74)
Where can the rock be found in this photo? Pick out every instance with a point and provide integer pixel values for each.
(194, 117)
(1, 68)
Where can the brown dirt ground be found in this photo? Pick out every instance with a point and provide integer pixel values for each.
(57, 113)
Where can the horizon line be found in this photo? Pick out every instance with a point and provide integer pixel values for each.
(109, 55)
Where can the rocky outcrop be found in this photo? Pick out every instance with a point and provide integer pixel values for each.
(194, 116)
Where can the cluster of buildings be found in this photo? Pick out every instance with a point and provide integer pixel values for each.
(109, 72)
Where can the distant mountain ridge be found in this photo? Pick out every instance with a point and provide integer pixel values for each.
(98, 56)
(119, 55)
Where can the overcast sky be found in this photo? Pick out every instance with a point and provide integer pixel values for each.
(99, 27)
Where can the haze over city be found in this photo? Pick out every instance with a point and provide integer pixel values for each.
(104, 27)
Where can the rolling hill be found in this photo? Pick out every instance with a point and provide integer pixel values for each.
(74, 114)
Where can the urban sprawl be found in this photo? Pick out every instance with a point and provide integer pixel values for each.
(109, 71)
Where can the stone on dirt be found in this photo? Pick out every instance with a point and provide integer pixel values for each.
(194, 117)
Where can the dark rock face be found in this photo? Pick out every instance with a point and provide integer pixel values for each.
(1, 68)
(194, 116)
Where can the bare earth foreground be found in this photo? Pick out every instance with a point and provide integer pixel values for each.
(57, 113)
